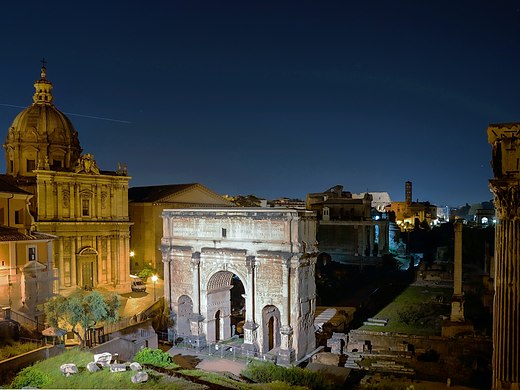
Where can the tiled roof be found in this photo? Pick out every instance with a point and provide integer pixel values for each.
(8, 184)
(155, 193)
(12, 234)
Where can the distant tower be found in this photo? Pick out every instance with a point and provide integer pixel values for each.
(505, 139)
(408, 195)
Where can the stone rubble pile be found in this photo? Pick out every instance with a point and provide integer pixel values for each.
(68, 369)
(104, 360)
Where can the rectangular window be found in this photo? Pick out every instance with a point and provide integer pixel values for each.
(18, 217)
(31, 251)
(31, 165)
(85, 207)
(224, 233)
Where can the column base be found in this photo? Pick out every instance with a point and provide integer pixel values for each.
(504, 385)
(457, 309)
(197, 338)
(286, 352)
(197, 341)
(250, 328)
(285, 357)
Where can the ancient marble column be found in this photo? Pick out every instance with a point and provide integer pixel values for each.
(195, 269)
(250, 326)
(167, 258)
(286, 352)
(457, 301)
(505, 139)
(198, 338)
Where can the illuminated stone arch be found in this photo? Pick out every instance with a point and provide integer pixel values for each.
(273, 254)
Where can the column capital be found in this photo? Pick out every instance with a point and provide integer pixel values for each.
(251, 263)
(195, 259)
(286, 330)
(506, 198)
(250, 325)
(290, 262)
(165, 253)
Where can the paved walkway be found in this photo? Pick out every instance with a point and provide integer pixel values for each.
(194, 359)
(131, 302)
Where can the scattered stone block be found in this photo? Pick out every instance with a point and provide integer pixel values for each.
(93, 367)
(135, 366)
(103, 358)
(117, 367)
(337, 343)
(327, 358)
(68, 369)
(140, 377)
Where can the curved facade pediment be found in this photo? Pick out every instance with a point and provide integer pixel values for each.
(88, 251)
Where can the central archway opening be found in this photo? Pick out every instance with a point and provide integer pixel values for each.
(225, 306)
(238, 307)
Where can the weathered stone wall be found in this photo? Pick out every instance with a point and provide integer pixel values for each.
(397, 342)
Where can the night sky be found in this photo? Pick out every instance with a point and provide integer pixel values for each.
(276, 98)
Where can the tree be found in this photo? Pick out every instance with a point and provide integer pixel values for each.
(81, 310)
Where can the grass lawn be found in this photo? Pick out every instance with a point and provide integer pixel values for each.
(103, 379)
(415, 297)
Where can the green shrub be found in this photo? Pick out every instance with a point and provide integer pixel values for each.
(153, 357)
(146, 273)
(261, 372)
(16, 348)
(30, 377)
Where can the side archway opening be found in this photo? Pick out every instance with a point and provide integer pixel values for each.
(271, 328)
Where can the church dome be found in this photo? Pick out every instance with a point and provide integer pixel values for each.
(41, 136)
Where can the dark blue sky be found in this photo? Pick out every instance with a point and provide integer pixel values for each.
(276, 98)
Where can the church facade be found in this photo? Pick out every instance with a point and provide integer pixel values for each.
(84, 207)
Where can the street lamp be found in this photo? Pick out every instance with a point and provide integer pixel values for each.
(154, 280)
(132, 254)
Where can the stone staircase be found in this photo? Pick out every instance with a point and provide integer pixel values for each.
(352, 362)
(388, 366)
(391, 366)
